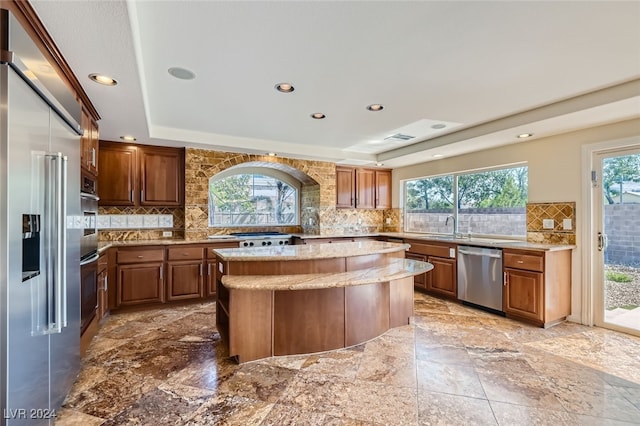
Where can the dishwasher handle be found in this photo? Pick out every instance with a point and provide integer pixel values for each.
(473, 253)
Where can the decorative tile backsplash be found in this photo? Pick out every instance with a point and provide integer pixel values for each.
(134, 221)
(139, 223)
(551, 223)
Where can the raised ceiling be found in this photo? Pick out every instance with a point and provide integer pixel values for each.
(487, 70)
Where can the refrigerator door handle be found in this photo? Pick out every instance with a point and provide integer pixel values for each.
(57, 244)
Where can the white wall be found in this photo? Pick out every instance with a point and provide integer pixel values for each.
(554, 175)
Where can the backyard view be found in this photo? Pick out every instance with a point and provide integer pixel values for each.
(621, 195)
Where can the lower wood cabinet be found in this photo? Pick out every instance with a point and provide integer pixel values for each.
(537, 285)
(140, 283)
(159, 274)
(185, 272)
(523, 294)
(103, 286)
(184, 280)
(140, 276)
(442, 279)
(419, 281)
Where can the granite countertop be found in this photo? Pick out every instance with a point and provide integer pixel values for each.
(480, 242)
(311, 251)
(394, 270)
(103, 245)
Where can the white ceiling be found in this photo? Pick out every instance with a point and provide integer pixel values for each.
(489, 70)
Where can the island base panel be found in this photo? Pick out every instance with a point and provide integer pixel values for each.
(401, 302)
(308, 321)
(367, 312)
(250, 324)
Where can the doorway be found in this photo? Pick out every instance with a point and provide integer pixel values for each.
(616, 213)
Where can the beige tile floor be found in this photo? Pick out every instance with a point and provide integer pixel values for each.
(452, 366)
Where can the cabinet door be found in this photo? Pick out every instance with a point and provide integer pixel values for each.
(184, 280)
(117, 182)
(212, 284)
(140, 283)
(383, 189)
(523, 294)
(419, 281)
(103, 295)
(93, 147)
(365, 189)
(85, 140)
(442, 278)
(345, 187)
(161, 177)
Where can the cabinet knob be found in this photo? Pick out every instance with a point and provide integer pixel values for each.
(520, 261)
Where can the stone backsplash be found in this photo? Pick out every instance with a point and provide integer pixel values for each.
(537, 213)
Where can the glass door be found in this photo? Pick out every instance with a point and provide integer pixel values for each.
(617, 222)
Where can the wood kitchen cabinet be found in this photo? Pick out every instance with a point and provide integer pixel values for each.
(363, 188)
(537, 285)
(89, 144)
(420, 280)
(212, 272)
(103, 287)
(442, 279)
(137, 175)
(140, 276)
(185, 272)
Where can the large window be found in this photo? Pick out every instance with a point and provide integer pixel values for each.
(490, 202)
(249, 198)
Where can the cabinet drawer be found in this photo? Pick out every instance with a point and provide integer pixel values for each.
(184, 253)
(529, 262)
(431, 249)
(210, 249)
(140, 255)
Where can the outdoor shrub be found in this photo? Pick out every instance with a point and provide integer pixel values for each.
(619, 277)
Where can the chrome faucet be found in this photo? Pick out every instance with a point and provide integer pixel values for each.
(446, 223)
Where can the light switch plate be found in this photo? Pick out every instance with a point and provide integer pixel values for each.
(452, 253)
(167, 233)
(566, 224)
(547, 224)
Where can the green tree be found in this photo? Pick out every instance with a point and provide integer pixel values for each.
(618, 170)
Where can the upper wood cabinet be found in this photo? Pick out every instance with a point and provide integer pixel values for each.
(363, 188)
(89, 144)
(138, 175)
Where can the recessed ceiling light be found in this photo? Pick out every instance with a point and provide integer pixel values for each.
(375, 107)
(438, 126)
(271, 154)
(103, 79)
(318, 115)
(524, 135)
(438, 155)
(285, 87)
(128, 138)
(182, 73)
(379, 164)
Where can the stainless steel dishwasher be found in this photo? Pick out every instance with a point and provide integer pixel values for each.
(480, 277)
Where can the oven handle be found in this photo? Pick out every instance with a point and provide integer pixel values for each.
(89, 196)
(89, 260)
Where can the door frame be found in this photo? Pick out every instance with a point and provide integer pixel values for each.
(592, 270)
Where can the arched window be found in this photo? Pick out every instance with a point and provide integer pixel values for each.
(253, 196)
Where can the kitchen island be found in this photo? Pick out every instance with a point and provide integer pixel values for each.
(303, 299)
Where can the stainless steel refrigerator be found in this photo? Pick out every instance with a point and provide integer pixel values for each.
(40, 228)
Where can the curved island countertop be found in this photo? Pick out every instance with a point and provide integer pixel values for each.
(395, 269)
(310, 252)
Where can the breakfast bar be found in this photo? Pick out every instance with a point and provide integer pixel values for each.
(302, 299)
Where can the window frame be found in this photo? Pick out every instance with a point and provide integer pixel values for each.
(261, 171)
(455, 175)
